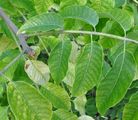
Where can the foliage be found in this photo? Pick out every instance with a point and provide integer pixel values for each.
(83, 63)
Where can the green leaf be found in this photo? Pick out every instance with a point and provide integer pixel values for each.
(3, 113)
(111, 27)
(65, 3)
(58, 60)
(26, 4)
(90, 107)
(6, 5)
(42, 5)
(88, 69)
(102, 5)
(123, 17)
(57, 95)
(116, 82)
(20, 74)
(79, 103)
(6, 44)
(133, 35)
(70, 76)
(37, 71)
(5, 60)
(131, 108)
(119, 3)
(43, 22)
(83, 13)
(85, 117)
(61, 114)
(27, 103)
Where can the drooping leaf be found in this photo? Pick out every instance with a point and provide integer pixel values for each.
(37, 71)
(116, 82)
(61, 114)
(58, 60)
(3, 113)
(131, 108)
(43, 22)
(34, 105)
(57, 95)
(88, 69)
(83, 13)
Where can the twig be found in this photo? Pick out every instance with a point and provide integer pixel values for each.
(14, 29)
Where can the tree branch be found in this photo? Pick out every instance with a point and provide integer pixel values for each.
(21, 37)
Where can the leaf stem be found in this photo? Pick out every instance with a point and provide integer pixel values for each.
(101, 34)
(88, 33)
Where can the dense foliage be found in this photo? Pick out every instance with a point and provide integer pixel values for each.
(69, 60)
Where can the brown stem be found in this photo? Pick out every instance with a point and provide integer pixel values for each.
(21, 37)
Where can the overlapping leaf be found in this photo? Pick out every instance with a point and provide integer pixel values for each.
(37, 71)
(111, 27)
(83, 13)
(88, 69)
(131, 109)
(123, 17)
(61, 114)
(43, 22)
(5, 59)
(58, 60)
(116, 82)
(42, 5)
(27, 103)
(102, 5)
(3, 113)
(57, 95)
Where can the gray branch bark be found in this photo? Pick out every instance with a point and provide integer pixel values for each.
(21, 37)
